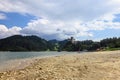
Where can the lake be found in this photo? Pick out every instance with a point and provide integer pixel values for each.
(6, 56)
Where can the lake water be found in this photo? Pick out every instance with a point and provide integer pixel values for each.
(6, 56)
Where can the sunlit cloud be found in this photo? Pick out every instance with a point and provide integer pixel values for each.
(64, 18)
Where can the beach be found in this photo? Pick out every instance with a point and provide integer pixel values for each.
(102, 65)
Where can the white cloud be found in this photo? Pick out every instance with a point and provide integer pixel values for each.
(64, 18)
(5, 32)
(3, 28)
(13, 6)
(63, 9)
(55, 29)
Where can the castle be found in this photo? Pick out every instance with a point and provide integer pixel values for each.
(73, 41)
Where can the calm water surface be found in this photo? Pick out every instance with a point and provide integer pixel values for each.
(6, 56)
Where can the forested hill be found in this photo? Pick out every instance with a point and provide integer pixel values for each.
(23, 43)
(34, 43)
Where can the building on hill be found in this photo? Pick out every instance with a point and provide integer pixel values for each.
(73, 41)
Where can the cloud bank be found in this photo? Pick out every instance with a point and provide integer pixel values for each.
(5, 32)
(62, 19)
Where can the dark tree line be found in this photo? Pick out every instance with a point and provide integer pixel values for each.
(34, 43)
(89, 45)
(23, 43)
(110, 42)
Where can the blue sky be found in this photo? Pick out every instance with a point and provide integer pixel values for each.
(16, 19)
(53, 19)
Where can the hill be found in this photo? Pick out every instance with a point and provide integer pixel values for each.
(34, 43)
(23, 43)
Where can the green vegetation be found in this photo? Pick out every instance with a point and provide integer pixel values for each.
(89, 45)
(34, 43)
(23, 43)
(112, 49)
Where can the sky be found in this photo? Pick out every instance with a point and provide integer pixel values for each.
(60, 19)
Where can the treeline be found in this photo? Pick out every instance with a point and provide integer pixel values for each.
(34, 43)
(89, 45)
(23, 43)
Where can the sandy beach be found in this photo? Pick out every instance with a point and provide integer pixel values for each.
(87, 66)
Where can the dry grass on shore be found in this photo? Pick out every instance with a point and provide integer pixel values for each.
(87, 66)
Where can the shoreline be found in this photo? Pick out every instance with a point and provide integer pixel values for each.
(17, 64)
(87, 66)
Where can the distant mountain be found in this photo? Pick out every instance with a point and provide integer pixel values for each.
(53, 45)
(23, 43)
(53, 41)
(34, 43)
